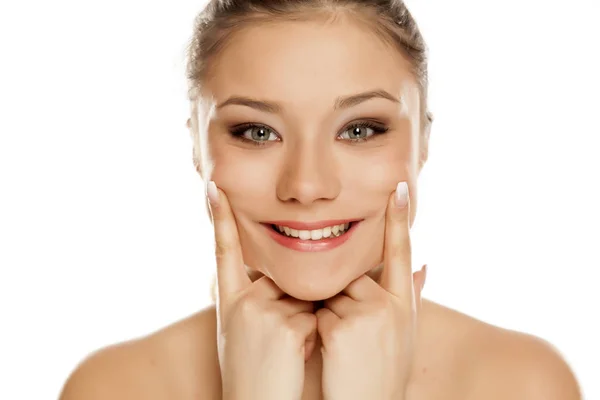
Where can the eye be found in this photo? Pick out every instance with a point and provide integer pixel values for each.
(260, 135)
(362, 131)
(255, 133)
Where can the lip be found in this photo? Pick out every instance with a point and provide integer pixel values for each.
(310, 245)
(309, 226)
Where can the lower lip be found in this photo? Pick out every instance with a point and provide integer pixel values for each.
(310, 245)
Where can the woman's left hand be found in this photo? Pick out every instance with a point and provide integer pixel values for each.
(368, 331)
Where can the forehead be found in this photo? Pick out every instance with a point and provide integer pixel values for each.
(308, 63)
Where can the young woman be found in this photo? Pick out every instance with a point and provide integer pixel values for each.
(310, 127)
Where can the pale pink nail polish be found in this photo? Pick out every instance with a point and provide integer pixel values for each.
(212, 193)
(401, 195)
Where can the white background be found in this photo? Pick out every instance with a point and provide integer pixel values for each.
(103, 232)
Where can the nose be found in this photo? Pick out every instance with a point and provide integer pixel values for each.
(310, 173)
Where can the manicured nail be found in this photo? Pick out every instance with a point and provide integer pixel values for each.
(213, 195)
(401, 194)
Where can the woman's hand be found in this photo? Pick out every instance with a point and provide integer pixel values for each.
(261, 334)
(368, 331)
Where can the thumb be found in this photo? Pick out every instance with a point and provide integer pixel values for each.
(309, 345)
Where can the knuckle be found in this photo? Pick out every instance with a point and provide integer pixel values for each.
(336, 337)
(290, 333)
(271, 317)
(250, 307)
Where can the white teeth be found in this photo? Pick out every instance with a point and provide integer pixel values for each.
(304, 235)
(315, 234)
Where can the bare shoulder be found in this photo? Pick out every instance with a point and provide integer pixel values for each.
(498, 363)
(178, 361)
(517, 365)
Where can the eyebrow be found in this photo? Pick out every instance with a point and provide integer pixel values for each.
(340, 102)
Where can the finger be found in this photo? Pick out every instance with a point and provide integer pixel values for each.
(290, 306)
(363, 288)
(303, 324)
(231, 276)
(396, 276)
(327, 321)
(265, 288)
(341, 305)
(309, 345)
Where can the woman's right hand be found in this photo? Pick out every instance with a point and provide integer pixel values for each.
(263, 336)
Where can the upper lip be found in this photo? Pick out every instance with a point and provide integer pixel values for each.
(309, 226)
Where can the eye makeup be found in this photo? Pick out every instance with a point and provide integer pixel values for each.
(239, 132)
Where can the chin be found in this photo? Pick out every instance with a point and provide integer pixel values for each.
(312, 271)
(312, 291)
(313, 284)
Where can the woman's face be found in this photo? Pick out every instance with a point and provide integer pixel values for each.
(308, 161)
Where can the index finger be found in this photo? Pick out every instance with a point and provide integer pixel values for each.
(231, 274)
(396, 276)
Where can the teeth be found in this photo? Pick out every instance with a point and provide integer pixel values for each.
(315, 234)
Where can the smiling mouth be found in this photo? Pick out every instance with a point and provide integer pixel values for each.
(328, 232)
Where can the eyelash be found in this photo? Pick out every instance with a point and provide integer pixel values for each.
(378, 129)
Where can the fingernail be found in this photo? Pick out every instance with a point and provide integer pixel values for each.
(401, 195)
(213, 195)
(424, 269)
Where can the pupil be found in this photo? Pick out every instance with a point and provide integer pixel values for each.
(356, 132)
(260, 133)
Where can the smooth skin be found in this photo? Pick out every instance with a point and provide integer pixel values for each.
(256, 323)
(401, 347)
(373, 325)
(261, 332)
(376, 342)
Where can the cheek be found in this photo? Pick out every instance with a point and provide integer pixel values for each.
(245, 178)
(380, 173)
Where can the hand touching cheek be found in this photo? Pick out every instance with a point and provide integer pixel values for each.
(368, 330)
(263, 336)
